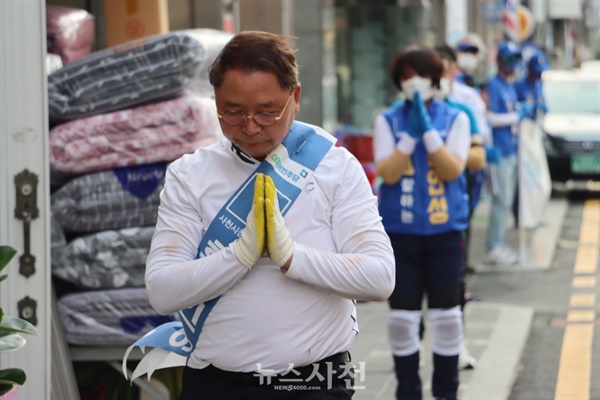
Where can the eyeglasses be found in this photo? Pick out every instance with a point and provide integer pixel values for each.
(235, 118)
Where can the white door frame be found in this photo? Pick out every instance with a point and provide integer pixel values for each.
(24, 145)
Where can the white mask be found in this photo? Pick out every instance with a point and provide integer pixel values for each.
(467, 62)
(417, 84)
(444, 90)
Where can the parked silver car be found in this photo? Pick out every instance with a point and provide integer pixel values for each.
(572, 124)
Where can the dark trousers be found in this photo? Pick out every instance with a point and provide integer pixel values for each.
(328, 379)
(428, 265)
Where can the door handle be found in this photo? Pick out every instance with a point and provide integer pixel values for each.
(26, 210)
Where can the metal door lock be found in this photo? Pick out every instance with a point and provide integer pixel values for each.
(28, 310)
(26, 210)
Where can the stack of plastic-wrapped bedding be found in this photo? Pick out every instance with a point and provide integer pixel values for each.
(119, 117)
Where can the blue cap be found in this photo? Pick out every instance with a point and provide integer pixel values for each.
(508, 50)
(537, 64)
(467, 47)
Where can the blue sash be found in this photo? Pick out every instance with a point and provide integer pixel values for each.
(290, 166)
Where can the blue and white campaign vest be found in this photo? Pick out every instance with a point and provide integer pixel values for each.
(420, 203)
(291, 166)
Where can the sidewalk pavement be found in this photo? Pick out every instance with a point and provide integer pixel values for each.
(495, 334)
(535, 247)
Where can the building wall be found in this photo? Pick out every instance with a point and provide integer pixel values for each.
(261, 15)
(314, 29)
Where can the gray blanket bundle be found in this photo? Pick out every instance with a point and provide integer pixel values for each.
(107, 259)
(111, 199)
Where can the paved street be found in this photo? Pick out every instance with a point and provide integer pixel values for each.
(520, 329)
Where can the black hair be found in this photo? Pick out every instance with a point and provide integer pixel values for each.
(251, 51)
(421, 59)
(446, 52)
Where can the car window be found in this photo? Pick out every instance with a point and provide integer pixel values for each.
(581, 96)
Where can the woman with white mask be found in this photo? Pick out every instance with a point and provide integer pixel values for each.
(420, 148)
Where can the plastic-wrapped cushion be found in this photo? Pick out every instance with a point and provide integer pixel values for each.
(104, 260)
(57, 236)
(213, 41)
(70, 32)
(161, 131)
(111, 199)
(116, 317)
(124, 76)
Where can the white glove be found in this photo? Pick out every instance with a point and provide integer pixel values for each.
(280, 247)
(251, 244)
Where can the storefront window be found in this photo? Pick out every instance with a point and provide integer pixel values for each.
(368, 35)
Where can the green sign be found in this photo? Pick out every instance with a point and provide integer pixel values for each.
(585, 163)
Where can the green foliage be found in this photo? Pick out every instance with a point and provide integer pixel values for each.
(6, 254)
(11, 329)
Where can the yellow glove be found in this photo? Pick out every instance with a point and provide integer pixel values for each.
(251, 244)
(280, 247)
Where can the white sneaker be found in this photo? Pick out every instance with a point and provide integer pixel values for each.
(465, 359)
(501, 256)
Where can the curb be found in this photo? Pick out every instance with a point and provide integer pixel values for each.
(498, 365)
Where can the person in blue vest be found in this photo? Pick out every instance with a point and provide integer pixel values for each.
(420, 150)
(529, 48)
(504, 114)
(275, 231)
(529, 88)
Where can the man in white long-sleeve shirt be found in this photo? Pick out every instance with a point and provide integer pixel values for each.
(286, 286)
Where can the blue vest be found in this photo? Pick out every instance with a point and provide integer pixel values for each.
(529, 91)
(420, 203)
(503, 99)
